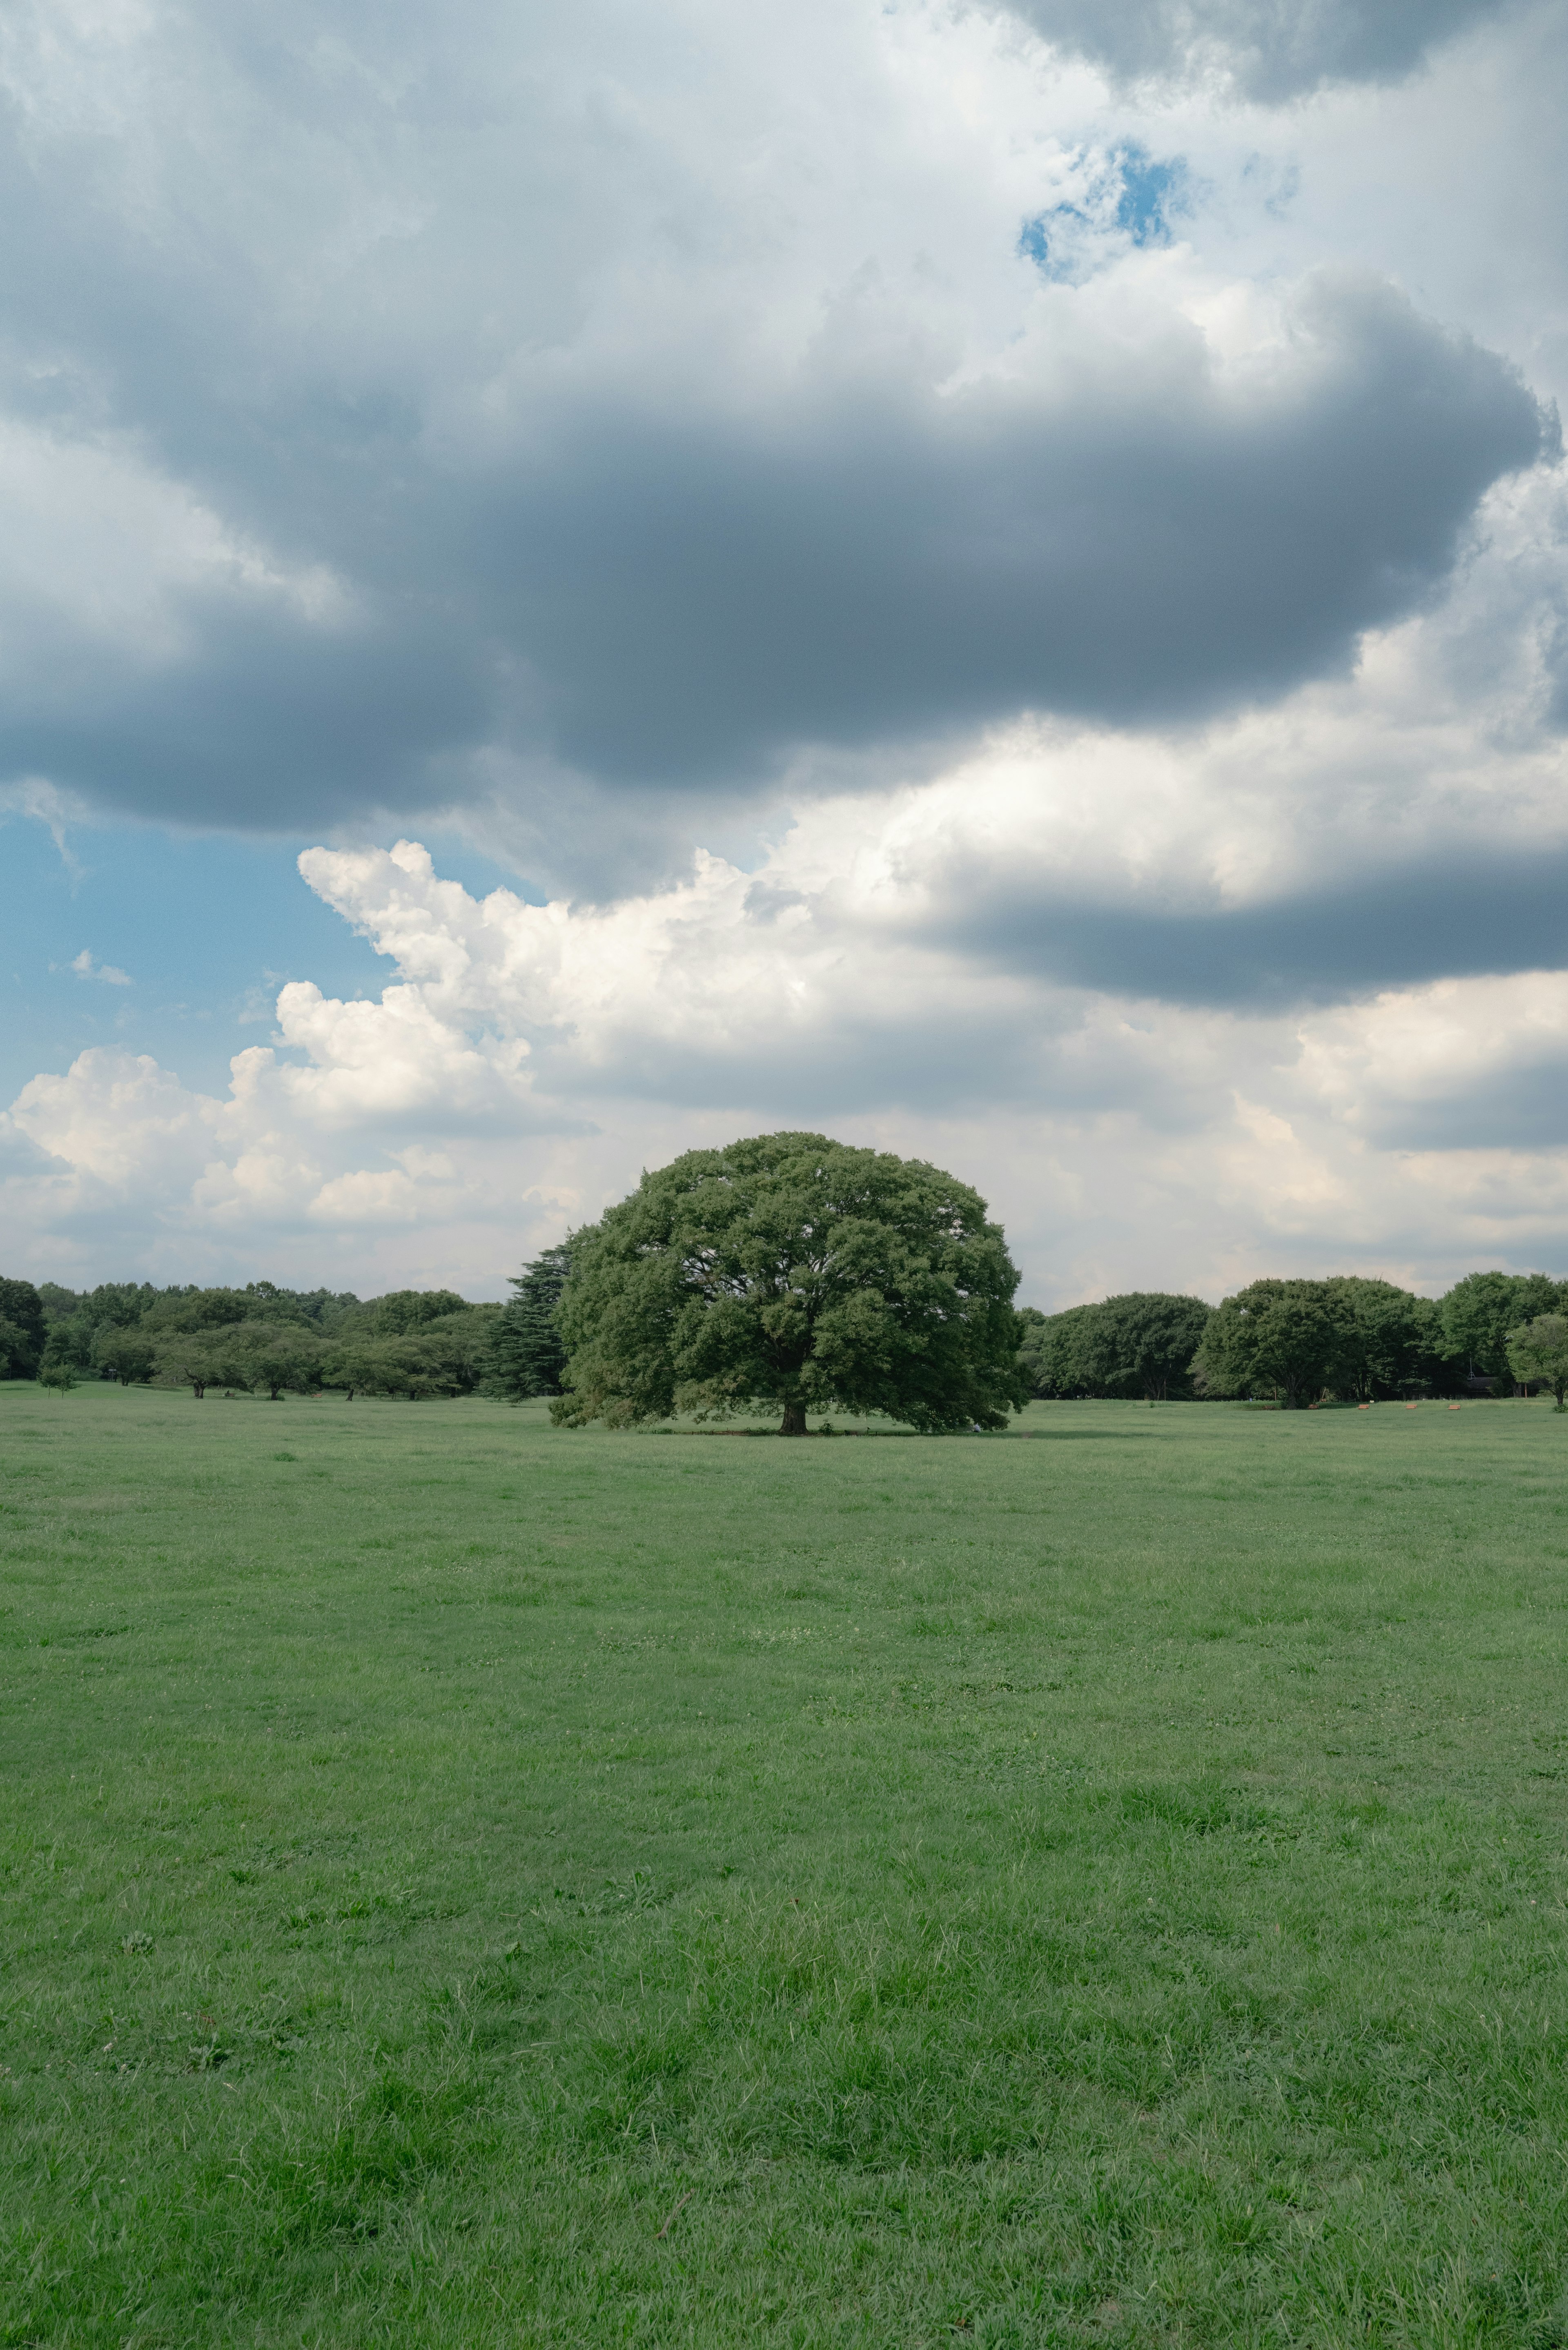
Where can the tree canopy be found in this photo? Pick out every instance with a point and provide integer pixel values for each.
(1139, 1344)
(23, 1332)
(1388, 1340)
(792, 1272)
(1538, 1354)
(527, 1354)
(1479, 1313)
(1278, 1335)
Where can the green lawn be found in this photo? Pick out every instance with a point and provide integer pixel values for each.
(472, 1884)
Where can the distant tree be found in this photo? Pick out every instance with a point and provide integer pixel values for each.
(1062, 1353)
(402, 1310)
(187, 1310)
(527, 1354)
(266, 1301)
(1389, 1340)
(1143, 1342)
(60, 1377)
(1479, 1313)
(23, 1330)
(203, 1359)
(329, 1309)
(1281, 1336)
(461, 1346)
(1538, 1354)
(433, 1361)
(793, 1271)
(17, 1358)
(121, 1351)
(1031, 1324)
(350, 1366)
(120, 1303)
(276, 1356)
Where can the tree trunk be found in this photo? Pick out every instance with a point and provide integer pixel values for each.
(793, 1420)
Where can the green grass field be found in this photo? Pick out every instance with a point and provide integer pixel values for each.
(468, 1883)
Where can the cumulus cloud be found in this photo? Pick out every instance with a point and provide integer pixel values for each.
(526, 1060)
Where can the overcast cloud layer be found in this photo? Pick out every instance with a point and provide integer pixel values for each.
(1003, 567)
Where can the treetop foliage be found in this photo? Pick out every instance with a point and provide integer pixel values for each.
(788, 1270)
(527, 1354)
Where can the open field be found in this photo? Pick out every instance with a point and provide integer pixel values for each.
(467, 1883)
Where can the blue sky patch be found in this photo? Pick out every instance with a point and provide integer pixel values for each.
(1128, 192)
(1151, 191)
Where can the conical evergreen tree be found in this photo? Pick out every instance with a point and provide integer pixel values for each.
(527, 1356)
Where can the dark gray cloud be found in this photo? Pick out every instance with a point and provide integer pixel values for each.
(656, 594)
(1457, 916)
(692, 602)
(1272, 50)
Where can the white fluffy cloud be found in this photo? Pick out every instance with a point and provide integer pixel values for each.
(527, 1059)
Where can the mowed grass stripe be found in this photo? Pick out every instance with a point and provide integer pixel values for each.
(470, 1883)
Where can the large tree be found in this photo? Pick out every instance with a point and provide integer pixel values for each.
(792, 1270)
(527, 1354)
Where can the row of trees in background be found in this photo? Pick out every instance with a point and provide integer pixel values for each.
(411, 1342)
(682, 1247)
(1295, 1341)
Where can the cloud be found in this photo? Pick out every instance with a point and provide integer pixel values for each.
(1270, 50)
(525, 1061)
(761, 448)
(1080, 545)
(109, 972)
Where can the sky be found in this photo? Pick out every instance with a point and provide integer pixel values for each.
(578, 581)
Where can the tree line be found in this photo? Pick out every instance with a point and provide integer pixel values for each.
(793, 1271)
(263, 1338)
(1299, 1342)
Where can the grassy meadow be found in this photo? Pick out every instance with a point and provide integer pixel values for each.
(467, 1883)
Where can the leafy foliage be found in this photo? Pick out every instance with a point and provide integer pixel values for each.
(121, 1351)
(1389, 1341)
(448, 1356)
(792, 1270)
(1281, 1336)
(403, 1310)
(21, 1329)
(1479, 1313)
(1140, 1343)
(1538, 1354)
(527, 1354)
